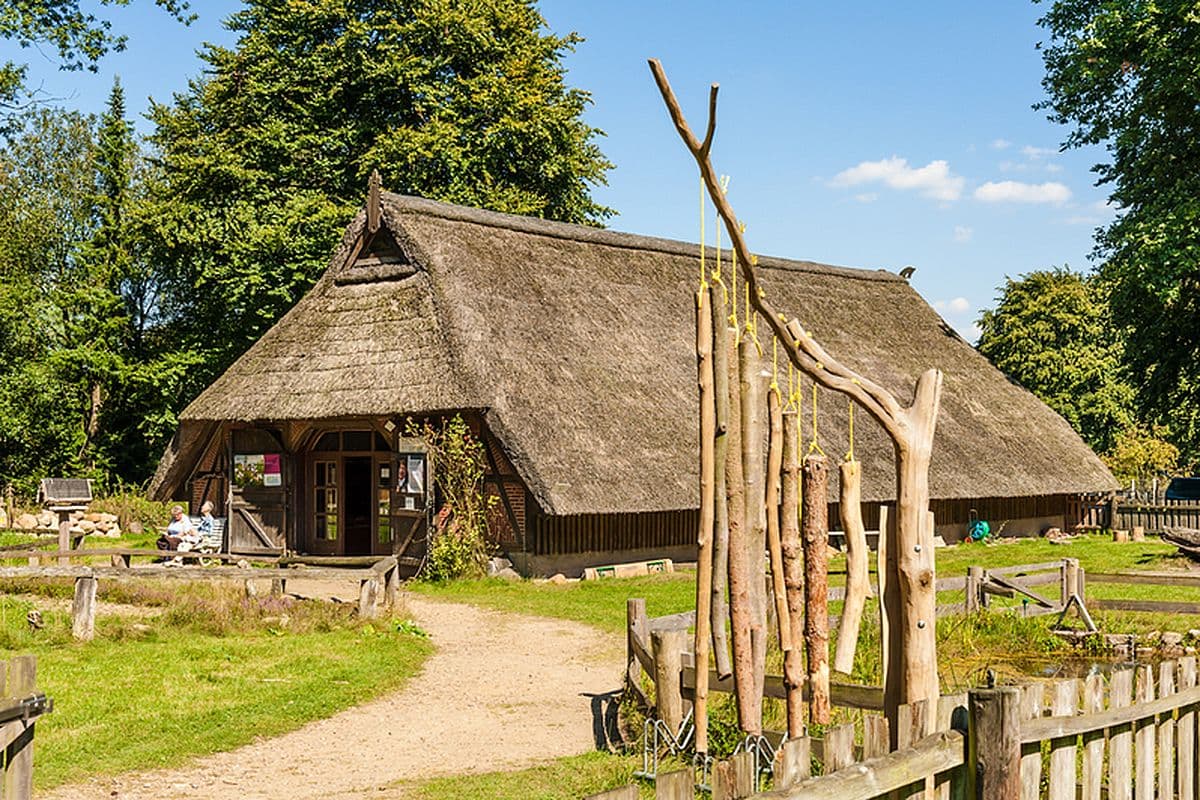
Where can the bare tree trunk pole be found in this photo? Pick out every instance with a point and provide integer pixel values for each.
(814, 526)
(793, 574)
(722, 335)
(739, 569)
(911, 674)
(858, 582)
(774, 546)
(754, 436)
(704, 536)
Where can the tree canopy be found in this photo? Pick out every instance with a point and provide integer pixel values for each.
(1049, 332)
(1121, 74)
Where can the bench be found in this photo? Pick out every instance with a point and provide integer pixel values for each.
(213, 541)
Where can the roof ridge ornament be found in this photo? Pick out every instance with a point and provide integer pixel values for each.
(374, 207)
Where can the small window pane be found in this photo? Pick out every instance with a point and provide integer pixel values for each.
(356, 440)
(385, 502)
(385, 475)
(330, 506)
(319, 525)
(327, 442)
(331, 528)
(319, 502)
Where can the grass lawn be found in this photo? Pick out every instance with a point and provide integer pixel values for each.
(204, 670)
(562, 779)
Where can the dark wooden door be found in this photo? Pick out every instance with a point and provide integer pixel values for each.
(359, 495)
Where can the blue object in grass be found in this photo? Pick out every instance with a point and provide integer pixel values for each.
(978, 530)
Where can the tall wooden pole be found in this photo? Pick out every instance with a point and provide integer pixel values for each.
(912, 673)
(793, 573)
(858, 582)
(754, 440)
(814, 528)
(740, 608)
(722, 335)
(704, 536)
(774, 545)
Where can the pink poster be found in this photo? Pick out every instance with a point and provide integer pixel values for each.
(272, 473)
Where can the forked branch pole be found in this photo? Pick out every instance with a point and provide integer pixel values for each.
(911, 670)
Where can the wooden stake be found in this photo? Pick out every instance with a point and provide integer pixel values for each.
(793, 574)
(774, 463)
(83, 609)
(814, 526)
(754, 434)
(722, 335)
(668, 647)
(740, 611)
(858, 583)
(704, 536)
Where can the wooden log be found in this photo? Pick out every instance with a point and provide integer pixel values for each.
(754, 444)
(1185, 739)
(1093, 742)
(839, 748)
(1138, 534)
(734, 779)
(740, 577)
(1120, 536)
(1065, 702)
(792, 553)
(814, 526)
(1120, 738)
(368, 598)
(1031, 752)
(635, 627)
(83, 609)
(667, 647)
(858, 584)
(774, 544)
(18, 735)
(1143, 736)
(676, 785)
(722, 336)
(1166, 734)
(993, 764)
(704, 534)
(793, 762)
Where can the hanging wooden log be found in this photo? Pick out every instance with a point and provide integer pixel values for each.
(722, 335)
(754, 441)
(858, 582)
(774, 546)
(793, 573)
(740, 608)
(814, 528)
(704, 536)
(911, 672)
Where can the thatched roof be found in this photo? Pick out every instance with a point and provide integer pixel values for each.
(579, 344)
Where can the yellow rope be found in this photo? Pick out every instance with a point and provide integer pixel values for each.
(814, 447)
(850, 452)
(775, 363)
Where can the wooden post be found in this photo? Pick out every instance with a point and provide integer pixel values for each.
(1070, 579)
(774, 544)
(10, 506)
(1093, 742)
(368, 598)
(278, 587)
(704, 535)
(1143, 782)
(814, 525)
(635, 626)
(793, 761)
(740, 577)
(888, 595)
(793, 574)
(858, 582)
(754, 439)
(1186, 742)
(1137, 533)
(64, 542)
(1112, 512)
(1166, 733)
(668, 648)
(993, 764)
(251, 588)
(83, 609)
(392, 586)
(1065, 703)
(722, 335)
(18, 735)
(973, 590)
(1120, 739)
(734, 779)
(629, 792)
(677, 785)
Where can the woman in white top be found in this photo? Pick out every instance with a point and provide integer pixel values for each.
(180, 533)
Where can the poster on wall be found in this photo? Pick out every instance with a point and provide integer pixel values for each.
(249, 470)
(272, 470)
(416, 474)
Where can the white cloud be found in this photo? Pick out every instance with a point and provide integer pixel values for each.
(962, 233)
(1036, 153)
(934, 180)
(959, 305)
(1001, 144)
(866, 197)
(1017, 192)
(1053, 168)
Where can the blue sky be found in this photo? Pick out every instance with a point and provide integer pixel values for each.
(874, 134)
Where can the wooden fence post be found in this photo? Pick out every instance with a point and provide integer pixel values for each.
(793, 762)
(635, 625)
(18, 735)
(83, 609)
(64, 542)
(677, 785)
(278, 587)
(392, 586)
(368, 599)
(734, 779)
(668, 649)
(994, 743)
(973, 589)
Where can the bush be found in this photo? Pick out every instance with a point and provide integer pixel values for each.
(132, 505)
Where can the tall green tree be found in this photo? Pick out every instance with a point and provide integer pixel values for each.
(1049, 332)
(266, 157)
(1122, 75)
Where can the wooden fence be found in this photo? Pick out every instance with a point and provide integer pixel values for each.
(1128, 512)
(20, 707)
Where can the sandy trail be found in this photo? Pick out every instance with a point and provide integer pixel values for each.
(502, 691)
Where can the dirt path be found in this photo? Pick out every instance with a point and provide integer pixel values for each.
(502, 691)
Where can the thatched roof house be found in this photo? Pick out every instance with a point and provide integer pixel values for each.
(571, 350)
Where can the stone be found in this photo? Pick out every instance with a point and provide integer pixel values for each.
(136, 529)
(3, 518)
(75, 516)
(93, 517)
(1171, 639)
(558, 579)
(102, 527)
(1194, 633)
(111, 519)
(507, 574)
(87, 526)
(47, 519)
(27, 522)
(497, 565)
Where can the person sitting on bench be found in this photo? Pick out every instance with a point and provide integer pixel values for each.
(180, 535)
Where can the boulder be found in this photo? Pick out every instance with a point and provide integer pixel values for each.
(507, 574)
(94, 517)
(497, 565)
(3, 519)
(27, 522)
(136, 529)
(1172, 639)
(75, 516)
(87, 526)
(108, 518)
(47, 519)
(103, 527)
(558, 579)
